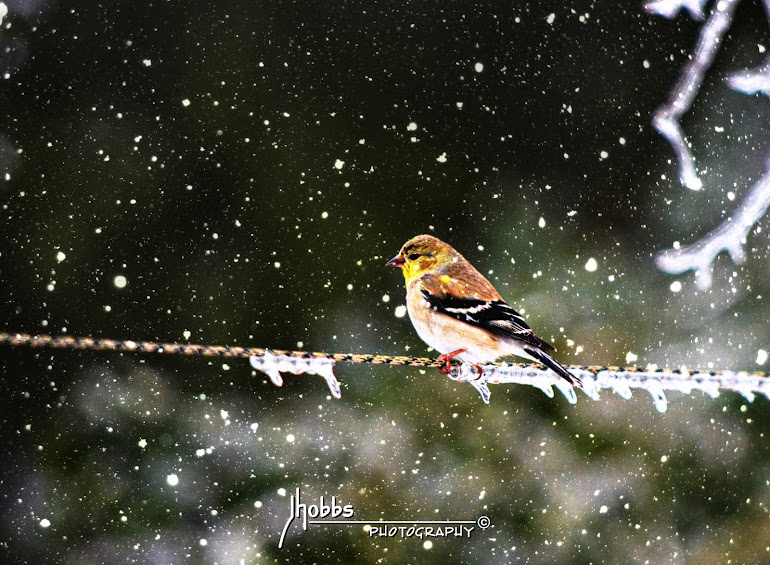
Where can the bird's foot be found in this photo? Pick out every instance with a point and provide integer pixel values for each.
(446, 359)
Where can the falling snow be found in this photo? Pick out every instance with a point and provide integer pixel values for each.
(247, 192)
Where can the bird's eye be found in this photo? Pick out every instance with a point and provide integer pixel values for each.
(414, 256)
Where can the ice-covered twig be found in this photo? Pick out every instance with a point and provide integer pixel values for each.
(670, 8)
(620, 380)
(666, 119)
(274, 365)
(729, 236)
(752, 81)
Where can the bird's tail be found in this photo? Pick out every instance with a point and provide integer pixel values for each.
(554, 365)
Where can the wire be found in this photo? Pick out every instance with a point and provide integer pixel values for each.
(273, 362)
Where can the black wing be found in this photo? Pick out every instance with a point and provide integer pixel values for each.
(495, 316)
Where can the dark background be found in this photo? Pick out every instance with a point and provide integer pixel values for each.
(232, 225)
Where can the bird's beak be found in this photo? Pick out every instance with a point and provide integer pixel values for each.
(397, 261)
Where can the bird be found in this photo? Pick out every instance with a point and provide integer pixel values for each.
(457, 311)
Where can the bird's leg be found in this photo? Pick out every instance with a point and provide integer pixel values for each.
(446, 359)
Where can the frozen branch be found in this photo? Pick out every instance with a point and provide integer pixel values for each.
(753, 80)
(666, 119)
(670, 8)
(729, 236)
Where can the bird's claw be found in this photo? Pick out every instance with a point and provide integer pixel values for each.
(446, 359)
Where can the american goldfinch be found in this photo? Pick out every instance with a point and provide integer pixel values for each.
(458, 312)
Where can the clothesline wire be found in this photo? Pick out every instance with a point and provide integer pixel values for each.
(154, 347)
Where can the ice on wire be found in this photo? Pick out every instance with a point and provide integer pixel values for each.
(274, 365)
(622, 381)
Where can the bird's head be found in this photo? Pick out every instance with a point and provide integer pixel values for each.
(423, 253)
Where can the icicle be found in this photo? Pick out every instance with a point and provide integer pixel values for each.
(466, 373)
(274, 365)
(567, 390)
(658, 396)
